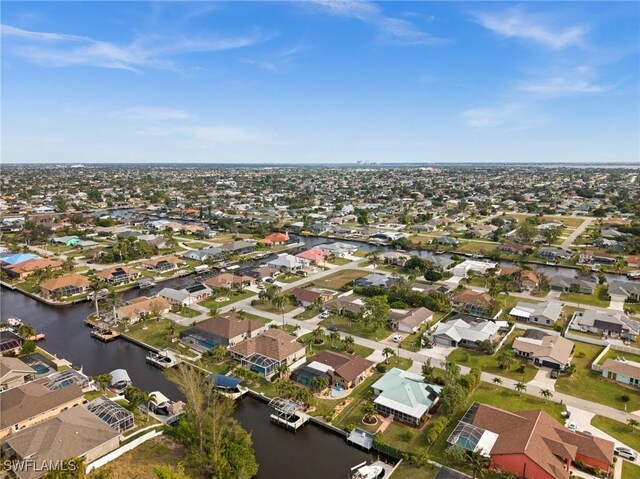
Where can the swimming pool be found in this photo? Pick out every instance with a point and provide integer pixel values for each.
(40, 368)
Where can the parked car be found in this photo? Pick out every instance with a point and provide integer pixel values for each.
(325, 314)
(304, 274)
(572, 426)
(554, 374)
(397, 338)
(332, 328)
(261, 286)
(626, 453)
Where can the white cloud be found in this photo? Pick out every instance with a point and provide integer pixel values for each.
(390, 28)
(559, 86)
(61, 50)
(514, 23)
(491, 117)
(218, 135)
(148, 113)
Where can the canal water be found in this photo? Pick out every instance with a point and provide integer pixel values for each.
(311, 453)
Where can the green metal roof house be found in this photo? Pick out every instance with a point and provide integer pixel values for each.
(404, 396)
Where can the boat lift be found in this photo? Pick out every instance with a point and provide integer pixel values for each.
(288, 413)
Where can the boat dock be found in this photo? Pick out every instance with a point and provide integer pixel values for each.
(103, 332)
(164, 359)
(361, 438)
(287, 413)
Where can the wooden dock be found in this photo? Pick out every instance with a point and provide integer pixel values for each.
(104, 335)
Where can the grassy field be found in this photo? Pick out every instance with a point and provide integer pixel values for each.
(565, 220)
(337, 280)
(489, 364)
(270, 308)
(156, 334)
(142, 461)
(478, 247)
(587, 299)
(613, 354)
(184, 311)
(211, 303)
(310, 312)
(356, 328)
(337, 345)
(629, 470)
(197, 245)
(590, 385)
(622, 432)
(407, 471)
(339, 261)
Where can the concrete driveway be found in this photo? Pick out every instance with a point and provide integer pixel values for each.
(438, 352)
(543, 379)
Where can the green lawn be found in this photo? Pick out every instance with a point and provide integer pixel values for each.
(156, 334)
(622, 432)
(211, 303)
(337, 280)
(197, 245)
(408, 471)
(397, 362)
(613, 354)
(270, 308)
(336, 346)
(310, 312)
(184, 311)
(590, 385)
(352, 414)
(339, 261)
(489, 364)
(356, 328)
(587, 299)
(630, 470)
(477, 247)
(411, 342)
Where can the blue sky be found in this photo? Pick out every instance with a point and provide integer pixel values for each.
(320, 81)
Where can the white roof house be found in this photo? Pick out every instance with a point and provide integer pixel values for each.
(545, 313)
(461, 331)
(288, 262)
(480, 267)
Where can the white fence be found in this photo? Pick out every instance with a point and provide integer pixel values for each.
(616, 347)
(586, 339)
(107, 458)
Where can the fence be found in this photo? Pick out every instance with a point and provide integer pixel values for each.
(107, 458)
(616, 347)
(585, 339)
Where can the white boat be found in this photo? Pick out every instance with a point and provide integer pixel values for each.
(14, 322)
(363, 471)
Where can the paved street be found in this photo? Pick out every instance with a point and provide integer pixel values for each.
(578, 231)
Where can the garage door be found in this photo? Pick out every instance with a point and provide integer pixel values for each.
(549, 364)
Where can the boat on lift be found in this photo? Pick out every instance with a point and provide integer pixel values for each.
(364, 471)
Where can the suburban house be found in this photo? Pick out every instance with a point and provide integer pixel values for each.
(186, 296)
(344, 304)
(64, 286)
(374, 279)
(237, 247)
(404, 396)
(9, 259)
(338, 249)
(343, 370)
(395, 258)
(472, 302)
(410, 321)
(530, 444)
(624, 290)
(267, 351)
(446, 240)
(275, 239)
(30, 266)
(229, 280)
(465, 331)
(141, 306)
(14, 373)
(76, 432)
(289, 263)
(25, 405)
(227, 330)
(203, 254)
(584, 285)
(314, 255)
(65, 240)
(587, 257)
(308, 296)
(480, 267)
(623, 371)
(549, 252)
(430, 288)
(514, 248)
(119, 275)
(162, 264)
(606, 324)
(543, 349)
(529, 279)
(545, 314)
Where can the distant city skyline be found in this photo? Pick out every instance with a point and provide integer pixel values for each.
(320, 82)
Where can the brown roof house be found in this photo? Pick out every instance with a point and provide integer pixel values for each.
(26, 268)
(308, 296)
(623, 371)
(64, 286)
(163, 263)
(74, 433)
(344, 370)
(119, 274)
(410, 321)
(531, 444)
(227, 330)
(472, 302)
(31, 403)
(229, 280)
(141, 306)
(266, 352)
(543, 349)
(14, 373)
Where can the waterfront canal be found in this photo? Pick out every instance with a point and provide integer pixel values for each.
(312, 452)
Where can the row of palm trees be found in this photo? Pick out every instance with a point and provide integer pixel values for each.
(135, 396)
(521, 386)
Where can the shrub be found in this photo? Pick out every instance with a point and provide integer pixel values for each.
(436, 427)
(381, 368)
(625, 398)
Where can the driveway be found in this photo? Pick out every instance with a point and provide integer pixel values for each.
(543, 379)
(438, 352)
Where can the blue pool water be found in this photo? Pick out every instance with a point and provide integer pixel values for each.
(40, 368)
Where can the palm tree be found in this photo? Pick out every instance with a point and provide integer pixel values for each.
(507, 359)
(103, 380)
(114, 299)
(315, 334)
(349, 342)
(584, 270)
(497, 381)
(546, 394)
(26, 331)
(369, 410)
(282, 371)
(479, 463)
(280, 301)
(520, 387)
(334, 336)
(219, 352)
(387, 353)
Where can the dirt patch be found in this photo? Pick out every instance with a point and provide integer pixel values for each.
(141, 462)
